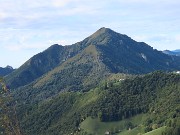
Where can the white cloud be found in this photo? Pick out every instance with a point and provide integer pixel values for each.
(14, 14)
(177, 38)
(3, 15)
(23, 46)
(13, 48)
(61, 3)
(149, 1)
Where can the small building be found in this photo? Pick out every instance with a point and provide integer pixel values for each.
(107, 133)
(177, 72)
(121, 80)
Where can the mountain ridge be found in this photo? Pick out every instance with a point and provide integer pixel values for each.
(6, 70)
(118, 52)
(174, 52)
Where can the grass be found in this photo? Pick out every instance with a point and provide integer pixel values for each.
(156, 131)
(139, 131)
(87, 98)
(96, 127)
(134, 131)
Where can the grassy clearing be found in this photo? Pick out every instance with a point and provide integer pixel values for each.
(134, 131)
(140, 131)
(95, 127)
(156, 131)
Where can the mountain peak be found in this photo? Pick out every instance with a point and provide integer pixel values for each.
(55, 46)
(102, 36)
(104, 30)
(106, 36)
(9, 67)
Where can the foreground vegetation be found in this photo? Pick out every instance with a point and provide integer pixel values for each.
(154, 95)
(9, 124)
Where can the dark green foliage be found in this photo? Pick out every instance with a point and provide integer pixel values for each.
(134, 96)
(173, 127)
(9, 124)
(53, 113)
(143, 94)
(128, 125)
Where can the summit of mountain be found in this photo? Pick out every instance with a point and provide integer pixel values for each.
(103, 36)
(103, 52)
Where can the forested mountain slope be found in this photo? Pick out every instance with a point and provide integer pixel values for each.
(156, 95)
(95, 58)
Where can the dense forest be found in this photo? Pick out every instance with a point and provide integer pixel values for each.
(155, 94)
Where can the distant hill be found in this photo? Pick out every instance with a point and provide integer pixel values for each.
(5, 71)
(82, 65)
(175, 52)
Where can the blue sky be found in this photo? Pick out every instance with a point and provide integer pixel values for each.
(27, 27)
